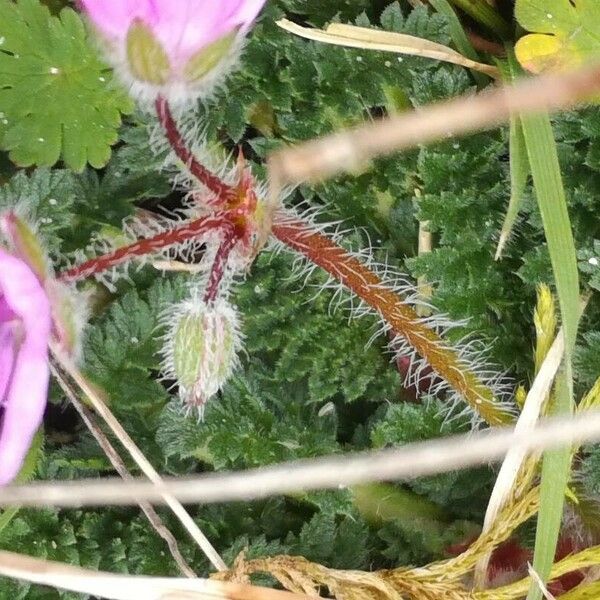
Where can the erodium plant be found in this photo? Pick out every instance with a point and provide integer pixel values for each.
(227, 221)
(171, 54)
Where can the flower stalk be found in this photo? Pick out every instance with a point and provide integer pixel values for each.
(189, 231)
(177, 142)
(237, 220)
(402, 318)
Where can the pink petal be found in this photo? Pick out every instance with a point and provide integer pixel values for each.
(185, 26)
(25, 399)
(7, 358)
(113, 17)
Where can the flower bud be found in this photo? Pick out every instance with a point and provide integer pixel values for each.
(177, 48)
(201, 350)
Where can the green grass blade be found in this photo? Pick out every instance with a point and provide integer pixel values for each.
(486, 15)
(459, 37)
(519, 172)
(547, 180)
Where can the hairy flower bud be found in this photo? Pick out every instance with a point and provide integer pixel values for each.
(201, 349)
(177, 48)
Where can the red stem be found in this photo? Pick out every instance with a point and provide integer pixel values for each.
(230, 239)
(177, 142)
(404, 321)
(146, 246)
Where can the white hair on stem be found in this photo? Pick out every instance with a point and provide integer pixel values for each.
(471, 353)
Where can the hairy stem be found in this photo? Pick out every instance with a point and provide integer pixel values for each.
(190, 230)
(230, 239)
(180, 147)
(400, 316)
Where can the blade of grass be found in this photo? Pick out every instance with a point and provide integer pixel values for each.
(365, 38)
(101, 408)
(519, 173)
(119, 465)
(459, 37)
(129, 587)
(549, 189)
(350, 149)
(416, 459)
(486, 15)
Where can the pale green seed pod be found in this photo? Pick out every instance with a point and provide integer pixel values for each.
(201, 350)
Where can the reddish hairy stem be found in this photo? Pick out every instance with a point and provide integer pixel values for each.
(404, 321)
(146, 246)
(230, 239)
(176, 141)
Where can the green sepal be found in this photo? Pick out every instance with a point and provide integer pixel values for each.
(206, 59)
(147, 58)
(25, 243)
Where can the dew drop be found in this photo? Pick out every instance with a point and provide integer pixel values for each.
(549, 16)
(456, 146)
(2, 40)
(54, 70)
(359, 59)
(52, 201)
(102, 79)
(388, 63)
(400, 59)
(5, 121)
(134, 340)
(41, 140)
(594, 261)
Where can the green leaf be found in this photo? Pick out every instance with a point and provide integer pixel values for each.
(519, 173)
(485, 14)
(56, 96)
(459, 37)
(552, 203)
(26, 474)
(566, 33)
(392, 18)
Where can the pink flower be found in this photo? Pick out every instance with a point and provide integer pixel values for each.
(25, 326)
(178, 48)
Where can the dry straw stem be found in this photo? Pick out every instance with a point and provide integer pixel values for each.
(348, 150)
(103, 411)
(121, 468)
(126, 587)
(439, 581)
(511, 467)
(408, 462)
(511, 517)
(364, 38)
(538, 580)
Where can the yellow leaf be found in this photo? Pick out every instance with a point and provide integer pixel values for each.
(565, 34)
